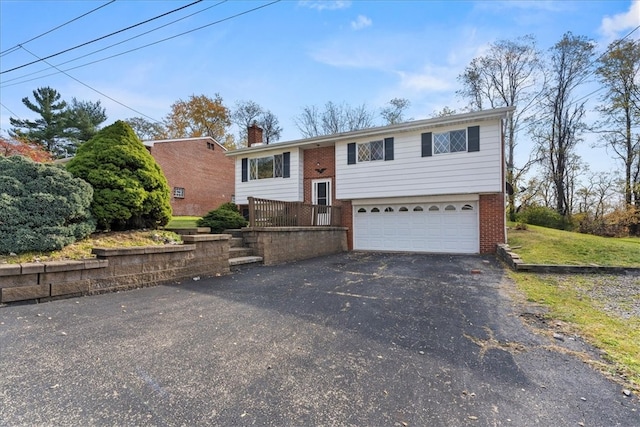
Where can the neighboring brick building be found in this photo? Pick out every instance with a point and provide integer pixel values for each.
(200, 176)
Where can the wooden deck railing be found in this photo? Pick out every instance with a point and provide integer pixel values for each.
(276, 213)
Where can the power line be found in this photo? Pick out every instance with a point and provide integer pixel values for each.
(16, 47)
(153, 43)
(9, 110)
(93, 89)
(104, 48)
(100, 38)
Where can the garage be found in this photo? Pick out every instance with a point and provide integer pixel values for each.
(444, 227)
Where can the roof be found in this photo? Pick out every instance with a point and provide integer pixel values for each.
(199, 138)
(475, 116)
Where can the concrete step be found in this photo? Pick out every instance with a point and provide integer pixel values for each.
(240, 252)
(245, 260)
(236, 242)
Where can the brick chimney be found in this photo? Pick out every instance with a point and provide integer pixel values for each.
(254, 134)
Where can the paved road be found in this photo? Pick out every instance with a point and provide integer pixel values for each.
(352, 339)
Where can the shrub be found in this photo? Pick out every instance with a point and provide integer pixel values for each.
(544, 217)
(222, 219)
(130, 190)
(230, 206)
(42, 207)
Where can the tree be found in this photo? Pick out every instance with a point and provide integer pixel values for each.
(16, 147)
(83, 120)
(444, 112)
(394, 112)
(562, 114)
(270, 127)
(335, 118)
(42, 207)
(146, 129)
(130, 190)
(508, 74)
(198, 116)
(49, 129)
(618, 71)
(244, 115)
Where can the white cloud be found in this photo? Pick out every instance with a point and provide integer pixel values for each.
(612, 27)
(431, 79)
(361, 22)
(325, 4)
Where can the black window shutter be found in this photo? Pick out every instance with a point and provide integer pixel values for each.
(388, 148)
(473, 138)
(351, 153)
(245, 170)
(426, 145)
(285, 165)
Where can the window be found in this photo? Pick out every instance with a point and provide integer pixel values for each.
(403, 209)
(371, 151)
(266, 167)
(450, 142)
(375, 210)
(389, 209)
(434, 208)
(362, 210)
(178, 192)
(210, 146)
(450, 208)
(467, 208)
(418, 209)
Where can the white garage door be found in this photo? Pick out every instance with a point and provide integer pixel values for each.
(426, 227)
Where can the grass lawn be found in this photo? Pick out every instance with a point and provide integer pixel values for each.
(582, 300)
(540, 245)
(183, 222)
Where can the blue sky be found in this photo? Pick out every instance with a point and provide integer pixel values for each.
(283, 56)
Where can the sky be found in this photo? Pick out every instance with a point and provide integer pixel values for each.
(283, 55)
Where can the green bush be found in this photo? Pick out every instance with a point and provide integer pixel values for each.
(130, 190)
(230, 206)
(42, 207)
(222, 219)
(544, 217)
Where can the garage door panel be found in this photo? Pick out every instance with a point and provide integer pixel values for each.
(429, 227)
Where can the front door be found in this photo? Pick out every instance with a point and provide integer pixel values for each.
(321, 189)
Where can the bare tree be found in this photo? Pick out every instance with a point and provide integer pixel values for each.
(444, 112)
(335, 118)
(394, 112)
(146, 129)
(270, 127)
(244, 115)
(619, 71)
(562, 114)
(509, 74)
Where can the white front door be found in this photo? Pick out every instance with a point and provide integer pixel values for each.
(321, 196)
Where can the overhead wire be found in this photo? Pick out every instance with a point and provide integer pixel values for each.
(17, 47)
(94, 89)
(102, 49)
(99, 38)
(153, 43)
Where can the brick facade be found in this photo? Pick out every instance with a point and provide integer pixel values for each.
(200, 167)
(492, 222)
(320, 163)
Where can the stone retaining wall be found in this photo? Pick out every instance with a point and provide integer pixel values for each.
(116, 269)
(284, 244)
(514, 261)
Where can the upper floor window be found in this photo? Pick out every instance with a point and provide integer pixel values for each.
(450, 142)
(370, 151)
(266, 167)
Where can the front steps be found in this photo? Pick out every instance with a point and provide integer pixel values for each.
(239, 254)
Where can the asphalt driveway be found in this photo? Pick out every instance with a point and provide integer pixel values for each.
(357, 339)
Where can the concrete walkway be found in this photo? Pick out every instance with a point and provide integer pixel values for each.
(352, 339)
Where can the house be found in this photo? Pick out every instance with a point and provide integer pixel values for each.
(434, 185)
(200, 175)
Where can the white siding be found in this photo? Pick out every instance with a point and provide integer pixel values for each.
(410, 174)
(285, 189)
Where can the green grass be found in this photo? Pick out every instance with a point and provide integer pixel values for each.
(183, 222)
(540, 245)
(619, 338)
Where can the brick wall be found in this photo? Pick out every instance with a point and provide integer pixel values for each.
(492, 222)
(201, 168)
